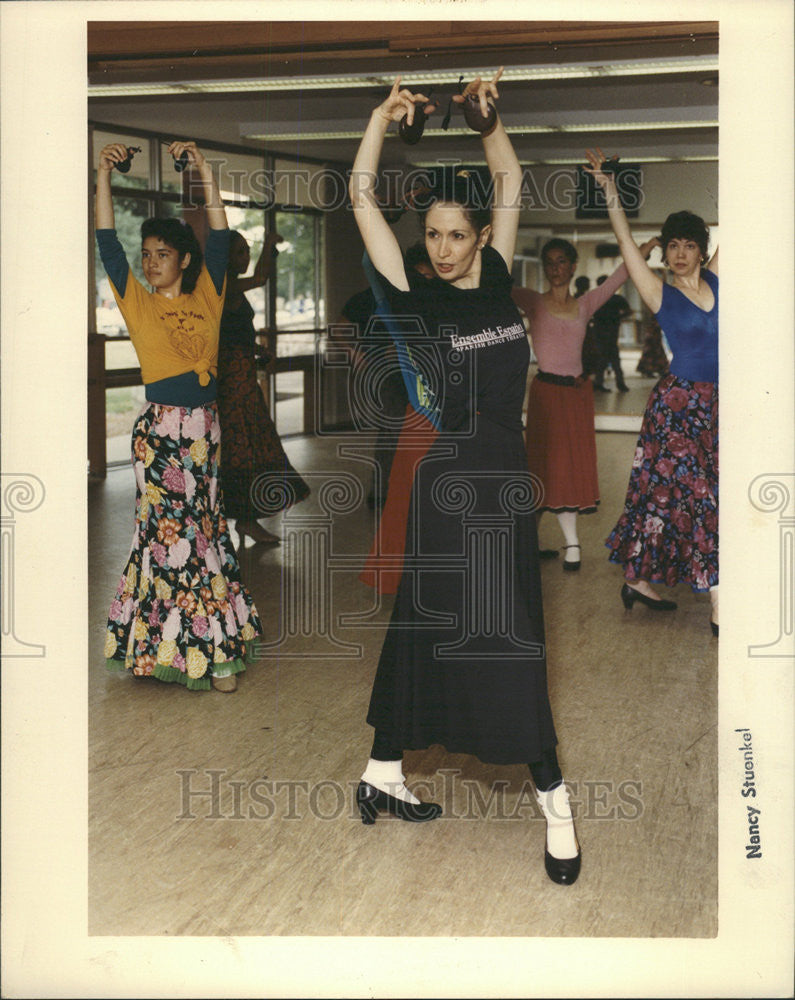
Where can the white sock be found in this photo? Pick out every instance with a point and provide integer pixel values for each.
(561, 839)
(387, 775)
(567, 519)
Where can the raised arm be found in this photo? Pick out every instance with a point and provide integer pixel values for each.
(110, 155)
(506, 173)
(379, 240)
(713, 264)
(262, 269)
(649, 286)
(596, 297)
(216, 213)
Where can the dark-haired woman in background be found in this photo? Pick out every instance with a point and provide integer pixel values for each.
(486, 693)
(653, 360)
(668, 532)
(561, 437)
(251, 447)
(181, 613)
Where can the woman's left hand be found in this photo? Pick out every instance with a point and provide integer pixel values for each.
(195, 156)
(482, 89)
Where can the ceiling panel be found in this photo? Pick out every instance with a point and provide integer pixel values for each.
(248, 83)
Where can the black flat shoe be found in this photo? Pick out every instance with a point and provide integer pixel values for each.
(547, 553)
(371, 800)
(564, 871)
(629, 595)
(571, 566)
(714, 628)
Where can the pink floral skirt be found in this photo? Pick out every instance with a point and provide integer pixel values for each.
(668, 532)
(180, 612)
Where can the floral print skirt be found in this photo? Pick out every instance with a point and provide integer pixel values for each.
(668, 532)
(180, 612)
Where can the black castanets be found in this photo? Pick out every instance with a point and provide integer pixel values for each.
(123, 166)
(411, 134)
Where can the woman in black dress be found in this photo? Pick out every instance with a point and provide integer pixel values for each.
(463, 663)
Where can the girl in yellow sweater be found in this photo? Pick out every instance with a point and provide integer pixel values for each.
(180, 612)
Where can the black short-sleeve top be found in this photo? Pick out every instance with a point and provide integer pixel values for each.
(471, 342)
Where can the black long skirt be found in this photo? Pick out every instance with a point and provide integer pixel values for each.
(463, 662)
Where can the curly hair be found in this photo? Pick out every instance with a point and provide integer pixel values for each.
(685, 225)
(180, 237)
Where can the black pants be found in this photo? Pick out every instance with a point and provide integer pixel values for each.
(610, 358)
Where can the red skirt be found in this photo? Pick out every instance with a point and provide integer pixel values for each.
(561, 445)
(384, 566)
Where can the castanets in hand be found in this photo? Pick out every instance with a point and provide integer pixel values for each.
(411, 134)
(124, 165)
(475, 118)
(180, 162)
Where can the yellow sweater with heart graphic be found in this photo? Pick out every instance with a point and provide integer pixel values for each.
(171, 336)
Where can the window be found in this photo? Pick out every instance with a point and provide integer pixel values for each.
(291, 304)
(299, 302)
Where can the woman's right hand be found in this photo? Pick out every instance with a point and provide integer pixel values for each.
(647, 247)
(112, 154)
(400, 103)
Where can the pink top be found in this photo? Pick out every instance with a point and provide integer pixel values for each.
(557, 342)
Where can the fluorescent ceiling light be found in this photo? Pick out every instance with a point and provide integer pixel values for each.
(577, 71)
(646, 126)
(574, 161)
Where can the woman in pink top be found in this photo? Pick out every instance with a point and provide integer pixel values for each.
(561, 441)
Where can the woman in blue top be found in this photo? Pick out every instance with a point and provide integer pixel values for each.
(668, 532)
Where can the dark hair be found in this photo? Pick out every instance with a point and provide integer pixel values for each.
(180, 237)
(462, 190)
(582, 284)
(685, 226)
(559, 244)
(234, 235)
(416, 254)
